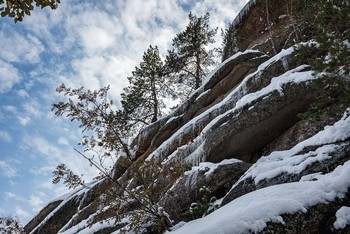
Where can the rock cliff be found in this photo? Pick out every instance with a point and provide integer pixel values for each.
(241, 133)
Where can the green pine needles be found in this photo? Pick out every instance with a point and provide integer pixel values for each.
(330, 49)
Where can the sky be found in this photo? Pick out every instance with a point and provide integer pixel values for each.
(83, 43)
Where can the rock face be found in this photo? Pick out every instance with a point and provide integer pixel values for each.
(218, 178)
(268, 26)
(242, 135)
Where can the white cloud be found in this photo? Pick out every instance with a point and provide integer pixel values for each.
(7, 170)
(36, 201)
(22, 93)
(46, 170)
(56, 189)
(9, 108)
(12, 183)
(62, 141)
(24, 121)
(21, 213)
(5, 136)
(19, 48)
(53, 155)
(41, 146)
(32, 108)
(11, 196)
(9, 76)
(95, 39)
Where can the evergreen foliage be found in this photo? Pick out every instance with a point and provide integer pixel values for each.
(18, 9)
(330, 47)
(190, 58)
(202, 206)
(332, 37)
(142, 99)
(331, 34)
(229, 42)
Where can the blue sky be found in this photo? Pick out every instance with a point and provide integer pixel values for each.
(82, 43)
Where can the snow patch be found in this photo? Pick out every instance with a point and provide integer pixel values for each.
(209, 167)
(343, 218)
(309, 177)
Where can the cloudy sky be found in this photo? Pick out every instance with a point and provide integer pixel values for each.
(83, 43)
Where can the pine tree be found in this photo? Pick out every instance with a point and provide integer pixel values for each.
(190, 56)
(333, 38)
(229, 42)
(141, 100)
(331, 33)
(330, 49)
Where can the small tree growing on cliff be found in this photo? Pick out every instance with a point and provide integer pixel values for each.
(190, 56)
(106, 139)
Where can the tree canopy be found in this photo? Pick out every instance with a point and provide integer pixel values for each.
(229, 42)
(190, 57)
(18, 9)
(142, 98)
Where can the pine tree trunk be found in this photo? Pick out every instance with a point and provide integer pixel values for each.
(198, 69)
(155, 100)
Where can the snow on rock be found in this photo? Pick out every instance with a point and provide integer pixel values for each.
(221, 65)
(296, 75)
(234, 100)
(251, 212)
(85, 228)
(343, 218)
(209, 167)
(65, 198)
(291, 161)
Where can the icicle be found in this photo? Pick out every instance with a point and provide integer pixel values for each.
(243, 12)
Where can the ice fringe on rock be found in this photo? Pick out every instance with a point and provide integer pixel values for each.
(243, 12)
